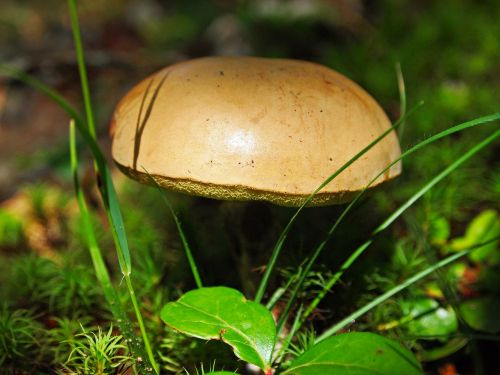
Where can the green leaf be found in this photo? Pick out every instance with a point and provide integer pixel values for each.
(482, 313)
(222, 313)
(438, 352)
(449, 347)
(483, 227)
(428, 318)
(357, 353)
(439, 230)
(11, 229)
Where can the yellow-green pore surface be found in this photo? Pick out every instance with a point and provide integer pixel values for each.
(245, 128)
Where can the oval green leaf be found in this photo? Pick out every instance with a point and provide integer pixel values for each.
(357, 353)
(427, 318)
(482, 313)
(222, 313)
(484, 227)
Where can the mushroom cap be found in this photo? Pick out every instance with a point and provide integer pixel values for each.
(247, 128)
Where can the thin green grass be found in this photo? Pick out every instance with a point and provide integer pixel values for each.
(101, 271)
(447, 171)
(88, 231)
(399, 126)
(182, 235)
(111, 205)
(281, 240)
(403, 285)
(82, 69)
(397, 213)
(108, 192)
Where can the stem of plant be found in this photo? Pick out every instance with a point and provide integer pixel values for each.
(110, 204)
(101, 271)
(138, 315)
(182, 235)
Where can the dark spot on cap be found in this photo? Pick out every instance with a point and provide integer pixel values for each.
(221, 73)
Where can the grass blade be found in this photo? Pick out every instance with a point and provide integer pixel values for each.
(405, 284)
(95, 252)
(182, 235)
(402, 99)
(108, 192)
(75, 25)
(281, 240)
(316, 253)
(107, 189)
(101, 271)
(474, 150)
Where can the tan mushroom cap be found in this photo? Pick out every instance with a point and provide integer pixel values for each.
(246, 128)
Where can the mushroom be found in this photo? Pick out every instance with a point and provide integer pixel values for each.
(247, 128)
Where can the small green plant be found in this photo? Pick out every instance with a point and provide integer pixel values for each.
(72, 289)
(63, 336)
(29, 275)
(20, 337)
(11, 230)
(98, 354)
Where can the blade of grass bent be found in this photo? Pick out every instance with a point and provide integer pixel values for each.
(469, 124)
(110, 294)
(90, 238)
(109, 193)
(405, 284)
(107, 189)
(289, 337)
(182, 235)
(398, 213)
(281, 240)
